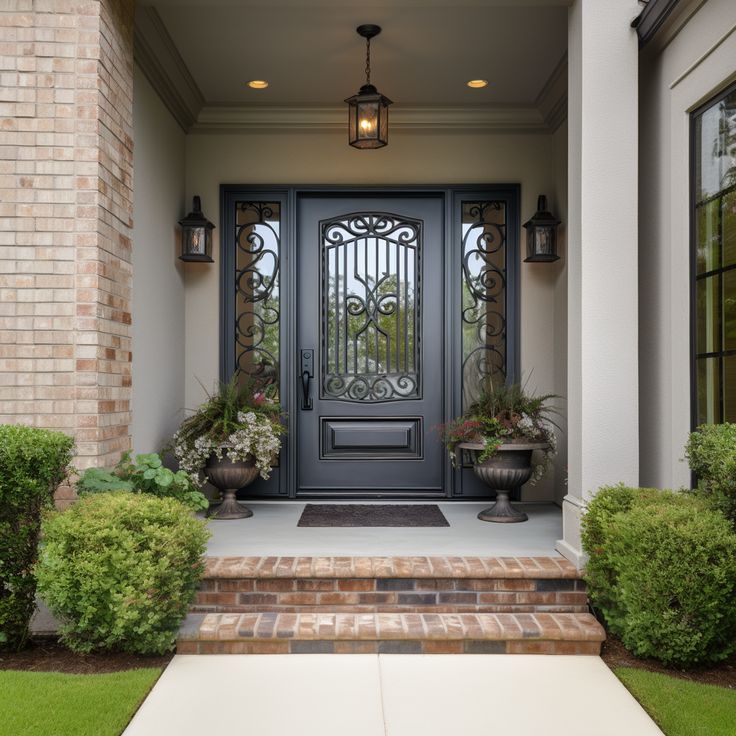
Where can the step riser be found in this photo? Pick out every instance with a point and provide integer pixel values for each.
(409, 595)
(389, 647)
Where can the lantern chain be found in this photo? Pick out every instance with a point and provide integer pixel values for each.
(368, 60)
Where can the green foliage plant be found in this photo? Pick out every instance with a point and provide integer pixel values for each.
(504, 413)
(144, 474)
(662, 570)
(33, 462)
(119, 570)
(711, 453)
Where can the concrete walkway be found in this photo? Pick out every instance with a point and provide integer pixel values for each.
(389, 695)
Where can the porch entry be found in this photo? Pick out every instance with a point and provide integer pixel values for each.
(374, 315)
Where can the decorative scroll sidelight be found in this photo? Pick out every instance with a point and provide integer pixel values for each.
(371, 307)
(257, 298)
(483, 295)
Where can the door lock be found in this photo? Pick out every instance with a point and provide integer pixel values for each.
(307, 372)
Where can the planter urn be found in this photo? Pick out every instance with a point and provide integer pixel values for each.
(228, 477)
(508, 468)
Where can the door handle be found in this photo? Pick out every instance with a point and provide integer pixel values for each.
(307, 371)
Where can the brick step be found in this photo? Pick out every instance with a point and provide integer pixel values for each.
(390, 585)
(390, 633)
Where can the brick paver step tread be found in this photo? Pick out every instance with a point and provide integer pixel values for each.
(372, 626)
(390, 567)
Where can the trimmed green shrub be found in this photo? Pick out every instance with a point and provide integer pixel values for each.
(32, 464)
(711, 452)
(600, 573)
(662, 570)
(144, 474)
(119, 570)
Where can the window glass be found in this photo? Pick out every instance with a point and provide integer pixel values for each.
(714, 217)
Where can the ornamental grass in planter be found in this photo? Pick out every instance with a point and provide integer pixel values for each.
(502, 429)
(231, 439)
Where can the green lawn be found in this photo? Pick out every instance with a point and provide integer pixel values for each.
(56, 704)
(680, 707)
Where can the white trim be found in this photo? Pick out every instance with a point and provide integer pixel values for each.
(228, 119)
(158, 58)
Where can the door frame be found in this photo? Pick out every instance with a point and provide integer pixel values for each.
(283, 483)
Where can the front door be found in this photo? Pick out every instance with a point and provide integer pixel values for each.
(370, 345)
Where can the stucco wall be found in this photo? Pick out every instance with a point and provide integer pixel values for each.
(411, 158)
(158, 290)
(696, 64)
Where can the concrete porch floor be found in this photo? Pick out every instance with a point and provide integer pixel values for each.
(273, 531)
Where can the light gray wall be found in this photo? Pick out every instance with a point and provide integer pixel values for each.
(158, 290)
(413, 157)
(694, 65)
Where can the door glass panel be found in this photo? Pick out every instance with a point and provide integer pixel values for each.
(257, 248)
(483, 295)
(371, 307)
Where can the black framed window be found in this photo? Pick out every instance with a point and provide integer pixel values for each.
(713, 188)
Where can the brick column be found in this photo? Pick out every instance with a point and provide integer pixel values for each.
(66, 177)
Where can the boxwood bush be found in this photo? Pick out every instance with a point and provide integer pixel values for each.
(119, 570)
(662, 570)
(711, 452)
(32, 464)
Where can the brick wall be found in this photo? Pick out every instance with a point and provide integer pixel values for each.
(66, 160)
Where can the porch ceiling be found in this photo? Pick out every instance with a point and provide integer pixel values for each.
(311, 56)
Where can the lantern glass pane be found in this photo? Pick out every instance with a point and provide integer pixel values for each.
(383, 124)
(544, 240)
(195, 239)
(367, 120)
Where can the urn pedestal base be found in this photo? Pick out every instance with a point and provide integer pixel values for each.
(228, 477)
(508, 468)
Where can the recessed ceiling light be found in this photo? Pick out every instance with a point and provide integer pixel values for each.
(477, 83)
(258, 84)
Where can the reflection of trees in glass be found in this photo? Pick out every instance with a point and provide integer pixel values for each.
(380, 327)
(725, 144)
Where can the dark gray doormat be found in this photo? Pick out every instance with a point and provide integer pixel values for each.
(323, 514)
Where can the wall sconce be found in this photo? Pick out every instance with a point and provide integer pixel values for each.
(541, 235)
(368, 110)
(196, 235)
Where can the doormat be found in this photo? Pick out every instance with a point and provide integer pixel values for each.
(324, 514)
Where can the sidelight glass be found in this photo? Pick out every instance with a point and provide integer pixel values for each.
(371, 307)
(257, 293)
(484, 308)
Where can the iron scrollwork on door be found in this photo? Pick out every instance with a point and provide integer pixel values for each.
(483, 295)
(371, 307)
(258, 243)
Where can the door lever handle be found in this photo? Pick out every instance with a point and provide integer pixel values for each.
(307, 369)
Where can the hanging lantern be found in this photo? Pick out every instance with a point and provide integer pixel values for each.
(196, 235)
(541, 235)
(368, 110)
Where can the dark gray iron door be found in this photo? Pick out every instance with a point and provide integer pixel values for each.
(371, 354)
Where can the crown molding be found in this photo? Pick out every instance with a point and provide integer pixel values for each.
(232, 119)
(552, 100)
(158, 58)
